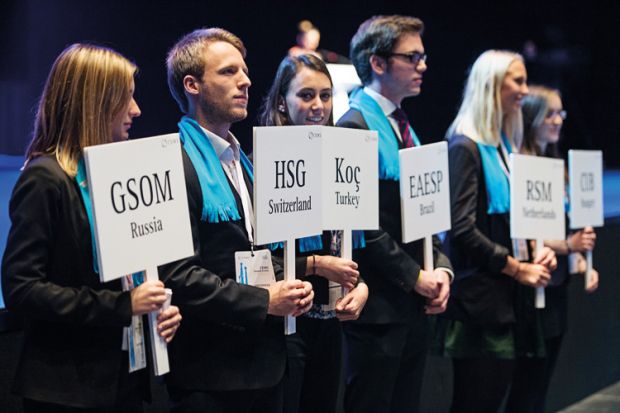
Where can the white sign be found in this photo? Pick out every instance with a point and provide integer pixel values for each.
(139, 203)
(585, 171)
(345, 79)
(536, 198)
(424, 190)
(350, 179)
(287, 182)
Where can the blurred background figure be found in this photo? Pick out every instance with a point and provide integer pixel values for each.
(308, 39)
(543, 117)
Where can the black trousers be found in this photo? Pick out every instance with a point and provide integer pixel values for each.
(531, 379)
(132, 390)
(313, 381)
(267, 400)
(385, 366)
(480, 385)
(33, 406)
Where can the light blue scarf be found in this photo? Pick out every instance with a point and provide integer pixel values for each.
(389, 168)
(218, 201)
(495, 179)
(315, 243)
(82, 182)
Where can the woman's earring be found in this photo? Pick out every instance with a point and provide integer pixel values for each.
(281, 108)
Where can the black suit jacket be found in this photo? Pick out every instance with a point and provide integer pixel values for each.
(389, 267)
(226, 340)
(71, 352)
(478, 243)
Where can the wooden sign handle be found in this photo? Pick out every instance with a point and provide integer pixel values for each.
(158, 344)
(428, 253)
(588, 277)
(290, 326)
(346, 250)
(540, 291)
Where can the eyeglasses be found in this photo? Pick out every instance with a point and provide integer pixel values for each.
(553, 113)
(413, 57)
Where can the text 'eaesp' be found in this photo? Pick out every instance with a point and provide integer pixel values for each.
(425, 184)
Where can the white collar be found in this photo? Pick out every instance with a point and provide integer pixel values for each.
(225, 149)
(386, 105)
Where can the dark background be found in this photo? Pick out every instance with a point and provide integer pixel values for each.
(577, 50)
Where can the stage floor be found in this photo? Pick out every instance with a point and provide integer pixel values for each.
(605, 401)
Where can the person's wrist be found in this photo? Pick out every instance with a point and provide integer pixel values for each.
(314, 264)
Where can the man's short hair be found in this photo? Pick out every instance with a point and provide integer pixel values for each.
(186, 58)
(378, 35)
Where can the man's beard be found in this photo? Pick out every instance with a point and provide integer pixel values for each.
(217, 114)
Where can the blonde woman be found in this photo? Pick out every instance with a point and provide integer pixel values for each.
(490, 326)
(71, 357)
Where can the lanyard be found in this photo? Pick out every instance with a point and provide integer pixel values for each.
(244, 194)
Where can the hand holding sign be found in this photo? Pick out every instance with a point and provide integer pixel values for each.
(289, 297)
(168, 322)
(536, 212)
(147, 297)
(339, 270)
(141, 219)
(425, 209)
(287, 202)
(350, 195)
(439, 304)
(350, 306)
(532, 275)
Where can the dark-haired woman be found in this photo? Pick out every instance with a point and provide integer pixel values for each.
(301, 94)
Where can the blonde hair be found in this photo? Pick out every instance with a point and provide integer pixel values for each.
(86, 88)
(480, 116)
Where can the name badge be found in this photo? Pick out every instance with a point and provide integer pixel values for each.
(133, 336)
(519, 249)
(254, 268)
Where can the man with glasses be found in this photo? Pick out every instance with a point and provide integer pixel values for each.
(387, 346)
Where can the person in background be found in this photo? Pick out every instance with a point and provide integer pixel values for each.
(307, 42)
(543, 117)
(301, 94)
(71, 358)
(492, 322)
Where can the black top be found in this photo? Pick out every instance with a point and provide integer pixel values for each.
(387, 265)
(226, 341)
(71, 352)
(478, 244)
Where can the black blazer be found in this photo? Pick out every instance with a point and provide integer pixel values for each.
(389, 267)
(71, 352)
(478, 244)
(226, 341)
